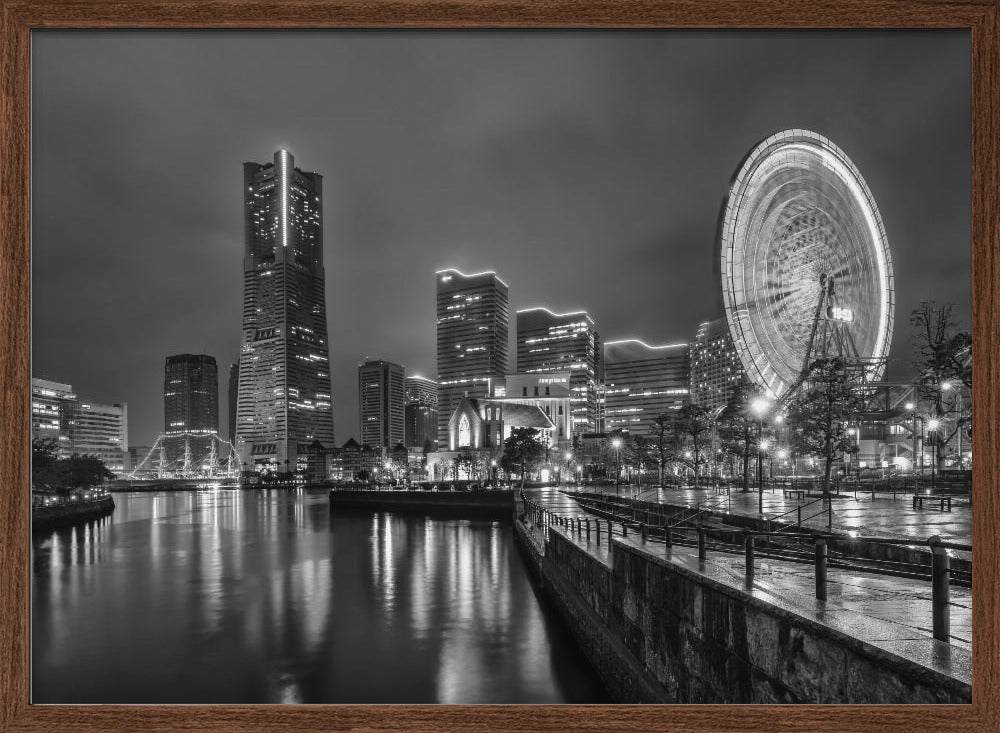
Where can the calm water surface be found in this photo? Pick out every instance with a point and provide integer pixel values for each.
(264, 596)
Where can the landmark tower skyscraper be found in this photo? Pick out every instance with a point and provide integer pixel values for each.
(285, 403)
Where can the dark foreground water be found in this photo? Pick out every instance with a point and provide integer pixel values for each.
(265, 597)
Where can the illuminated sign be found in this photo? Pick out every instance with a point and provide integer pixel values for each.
(836, 313)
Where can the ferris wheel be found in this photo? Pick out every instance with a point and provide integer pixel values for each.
(806, 267)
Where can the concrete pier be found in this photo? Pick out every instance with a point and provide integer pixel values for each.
(662, 625)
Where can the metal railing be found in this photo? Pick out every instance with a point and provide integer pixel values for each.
(806, 547)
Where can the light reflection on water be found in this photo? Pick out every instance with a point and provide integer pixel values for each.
(264, 596)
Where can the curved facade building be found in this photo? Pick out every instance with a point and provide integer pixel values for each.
(805, 262)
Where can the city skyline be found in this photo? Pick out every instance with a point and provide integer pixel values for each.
(602, 197)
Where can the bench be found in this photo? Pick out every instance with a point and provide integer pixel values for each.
(798, 493)
(918, 500)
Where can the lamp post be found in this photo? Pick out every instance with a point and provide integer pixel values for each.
(947, 386)
(616, 443)
(932, 425)
(759, 407)
(568, 456)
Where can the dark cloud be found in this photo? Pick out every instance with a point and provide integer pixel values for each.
(586, 167)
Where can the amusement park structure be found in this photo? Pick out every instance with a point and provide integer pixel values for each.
(805, 263)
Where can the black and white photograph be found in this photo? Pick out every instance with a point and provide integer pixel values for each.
(501, 366)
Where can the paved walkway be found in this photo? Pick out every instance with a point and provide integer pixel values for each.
(885, 516)
(889, 612)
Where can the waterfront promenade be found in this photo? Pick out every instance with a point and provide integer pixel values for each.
(893, 613)
(887, 515)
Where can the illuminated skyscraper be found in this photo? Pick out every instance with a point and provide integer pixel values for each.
(234, 396)
(190, 394)
(284, 400)
(641, 382)
(715, 366)
(421, 391)
(421, 413)
(473, 320)
(550, 342)
(380, 404)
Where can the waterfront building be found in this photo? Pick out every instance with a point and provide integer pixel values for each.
(353, 461)
(78, 425)
(473, 318)
(643, 381)
(477, 429)
(716, 370)
(284, 402)
(550, 392)
(101, 431)
(190, 394)
(550, 342)
(51, 404)
(381, 398)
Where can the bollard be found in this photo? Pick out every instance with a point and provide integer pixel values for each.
(748, 548)
(597, 526)
(821, 568)
(609, 533)
(798, 511)
(588, 530)
(667, 539)
(642, 531)
(624, 530)
(702, 552)
(940, 592)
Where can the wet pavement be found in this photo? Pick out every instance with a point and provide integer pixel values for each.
(886, 515)
(889, 612)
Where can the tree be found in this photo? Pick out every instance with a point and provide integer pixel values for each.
(944, 368)
(664, 440)
(641, 452)
(736, 426)
(44, 464)
(693, 429)
(82, 472)
(523, 449)
(821, 411)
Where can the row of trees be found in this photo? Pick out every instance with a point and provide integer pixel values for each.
(49, 472)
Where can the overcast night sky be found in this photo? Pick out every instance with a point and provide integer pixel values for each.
(586, 168)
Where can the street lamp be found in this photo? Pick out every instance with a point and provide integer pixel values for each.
(759, 407)
(493, 472)
(568, 456)
(932, 426)
(616, 443)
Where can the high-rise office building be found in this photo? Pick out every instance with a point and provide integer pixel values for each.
(473, 320)
(77, 425)
(190, 394)
(421, 391)
(234, 396)
(550, 342)
(421, 413)
(420, 426)
(284, 403)
(642, 382)
(381, 397)
(715, 366)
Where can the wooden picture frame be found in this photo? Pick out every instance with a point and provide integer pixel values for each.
(20, 17)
